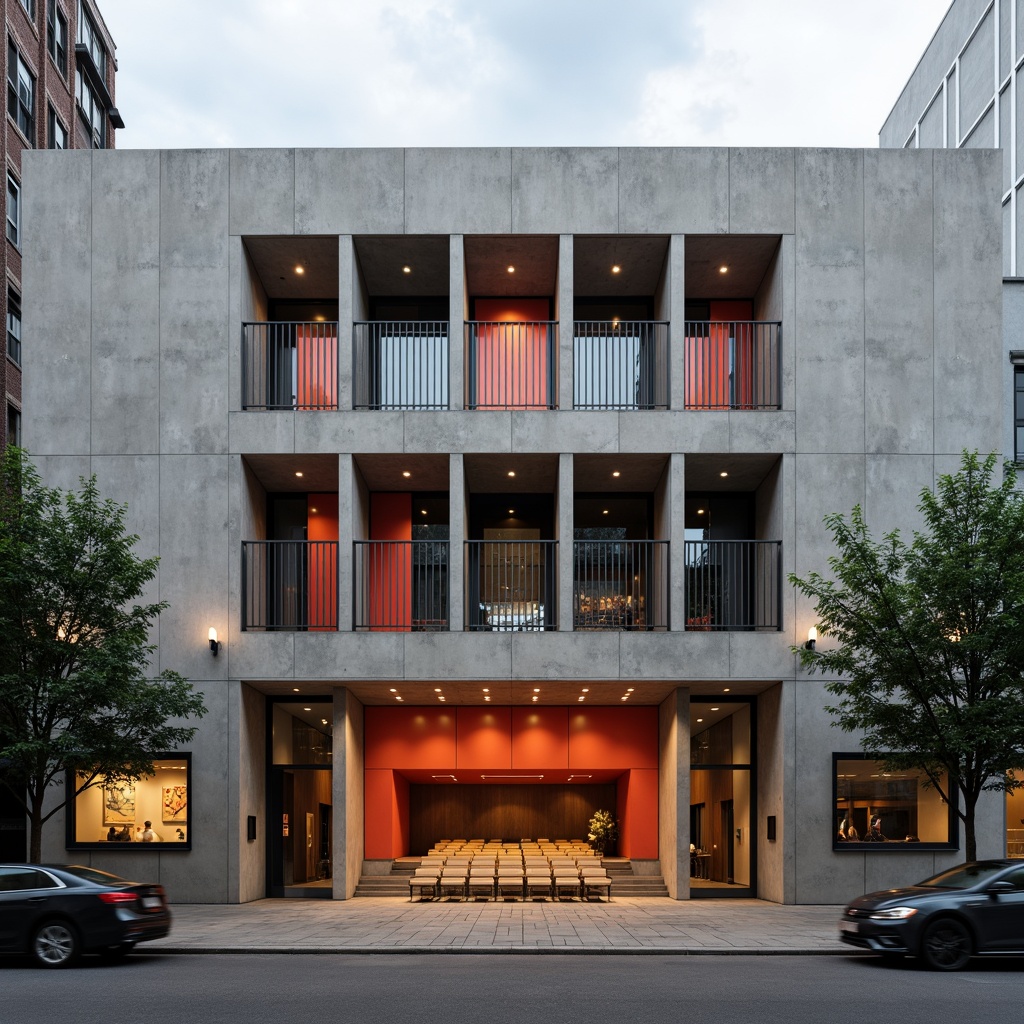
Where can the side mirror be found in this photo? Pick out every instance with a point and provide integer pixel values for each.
(1002, 886)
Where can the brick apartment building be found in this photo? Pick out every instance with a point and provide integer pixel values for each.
(60, 95)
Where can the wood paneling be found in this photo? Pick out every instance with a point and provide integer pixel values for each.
(305, 791)
(711, 788)
(502, 812)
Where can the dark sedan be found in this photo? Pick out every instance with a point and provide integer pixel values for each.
(974, 909)
(56, 912)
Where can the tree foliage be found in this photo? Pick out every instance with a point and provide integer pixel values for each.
(927, 651)
(76, 694)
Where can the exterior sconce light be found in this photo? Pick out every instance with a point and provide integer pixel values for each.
(214, 642)
(812, 638)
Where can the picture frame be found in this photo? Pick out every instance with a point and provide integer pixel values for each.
(119, 804)
(174, 804)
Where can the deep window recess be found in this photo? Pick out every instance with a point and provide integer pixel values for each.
(30, 8)
(21, 93)
(14, 327)
(876, 809)
(13, 211)
(90, 111)
(90, 39)
(56, 134)
(1018, 413)
(57, 36)
(13, 425)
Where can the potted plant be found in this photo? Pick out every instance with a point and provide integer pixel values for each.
(602, 831)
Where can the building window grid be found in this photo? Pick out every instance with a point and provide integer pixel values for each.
(90, 38)
(13, 425)
(21, 93)
(14, 327)
(30, 9)
(57, 36)
(56, 133)
(91, 111)
(13, 211)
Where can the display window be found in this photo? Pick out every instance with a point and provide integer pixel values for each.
(151, 812)
(877, 809)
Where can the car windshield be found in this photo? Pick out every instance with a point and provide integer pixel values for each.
(964, 876)
(93, 875)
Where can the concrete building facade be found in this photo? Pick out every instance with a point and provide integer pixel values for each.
(488, 467)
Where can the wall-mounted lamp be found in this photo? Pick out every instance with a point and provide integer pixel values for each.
(812, 638)
(214, 642)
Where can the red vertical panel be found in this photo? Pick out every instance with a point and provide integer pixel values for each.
(316, 353)
(483, 738)
(400, 817)
(322, 585)
(637, 811)
(409, 738)
(603, 737)
(390, 565)
(379, 814)
(739, 312)
(540, 738)
(512, 365)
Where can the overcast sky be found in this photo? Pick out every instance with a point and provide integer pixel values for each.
(198, 73)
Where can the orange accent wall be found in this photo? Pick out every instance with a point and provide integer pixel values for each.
(613, 737)
(390, 566)
(323, 563)
(512, 365)
(637, 811)
(317, 367)
(412, 737)
(387, 814)
(706, 369)
(483, 737)
(540, 738)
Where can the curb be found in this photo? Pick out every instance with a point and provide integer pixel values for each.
(497, 950)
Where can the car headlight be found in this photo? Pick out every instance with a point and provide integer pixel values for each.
(893, 914)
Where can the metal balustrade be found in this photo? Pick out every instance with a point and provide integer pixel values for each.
(400, 364)
(620, 584)
(620, 364)
(290, 365)
(400, 586)
(289, 585)
(735, 364)
(733, 584)
(511, 585)
(511, 365)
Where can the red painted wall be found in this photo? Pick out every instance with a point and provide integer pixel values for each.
(483, 738)
(512, 365)
(613, 737)
(389, 566)
(322, 524)
(706, 370)
(540, 738)
(387, 824)
(637, 811)
(317, 367)
(409, 738)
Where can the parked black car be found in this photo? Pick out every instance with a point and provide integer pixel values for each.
(56, 912)
(974, 909)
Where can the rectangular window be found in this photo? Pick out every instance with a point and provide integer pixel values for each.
(21, 93)
(56, 133)
(30, 9)
(13, 211)
(13, 425)
(14, 327)
(91, 113)
(877, 809)
(90, 38)
(151, 810)
(57, 36)
(1018, 413)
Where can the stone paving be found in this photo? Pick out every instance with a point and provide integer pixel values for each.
(625, 925)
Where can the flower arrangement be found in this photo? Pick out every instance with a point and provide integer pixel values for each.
(602, 831)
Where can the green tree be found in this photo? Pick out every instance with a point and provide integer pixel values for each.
(928, 653)
(75, 695)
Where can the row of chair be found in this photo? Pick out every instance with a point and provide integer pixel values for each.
(481, 876)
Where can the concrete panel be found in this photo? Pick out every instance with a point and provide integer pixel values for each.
(251, 767)
(751, 431)
(893, 485)
(456, 535)
(458, 655)
(761, 655)
(445, 432)
(589, 655)
(348, 432)
(693, 431)
(683, 656)
(565, 313)
(564, 503)
(348, 818)
(968, 301)
(564, 432)
(256, 655)
(677, 191)
(64, 471)
(255, 432)
(458, 191)
(565, 191)
(125, 302)
(673, 303)
(351, 307)
(57, 277)
(456, 321)
(262, 192)
(775, 792)
(898, 300)
(349, 655)
(830, 300)
(674, 793)
(194, 271)
(762, 191)
(349, 191)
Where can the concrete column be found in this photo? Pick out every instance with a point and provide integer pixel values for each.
(676, 522)
(564, 313)
(456, 548)
(348, 286)
(674, 792)
(456, 322)
(563, 510)
(347, 512)
(676, 289)
(347, 837)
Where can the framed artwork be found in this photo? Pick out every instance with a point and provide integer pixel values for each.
(175, 804)
(119, 803)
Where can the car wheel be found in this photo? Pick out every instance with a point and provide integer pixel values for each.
(946, 945)
(55, 944)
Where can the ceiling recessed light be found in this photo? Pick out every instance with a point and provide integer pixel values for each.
(700, 511)
(307, 709)
(723, 269)
(625, 698)
(437, 689)
(313, 510)
(700, 719)
(604, 511)
(407, 269)
(581, 698)
(585, 690)
(511, 511)
(616, 473)
(511, 472)
(298, 473)
(630, 689)
(536, 689)
(487, 697)
(406, 474)
(397, 697)
(726, 690)
(723, 473)
(319, 318)
(295, 689)
(440, 698)
(534, 697)
(393, 690)
(323, 721)
(300, 269)
(716, 709)
(616, 269)
(486, 689)
(511, 269)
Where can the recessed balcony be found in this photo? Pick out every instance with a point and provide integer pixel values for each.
(289, 585)
(400, 586)
(290, 365)
(732, 364)
(733, 585)
(400, 364)
(620, 584)
(620, 364)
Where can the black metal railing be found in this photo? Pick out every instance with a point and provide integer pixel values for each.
(290, 365)
(732, 364)
(289, 584)
(620, 584)
(511, 365)
(511, 585)
(400, 364)
(400, 585)
(620, 364)
(733, 584)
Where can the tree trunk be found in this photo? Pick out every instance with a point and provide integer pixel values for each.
(970, 837)
(35, 842)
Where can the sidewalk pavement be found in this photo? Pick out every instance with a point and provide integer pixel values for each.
(393, 925)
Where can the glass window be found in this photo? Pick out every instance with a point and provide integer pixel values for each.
(21, 93)
(13, 211)
(18, 879)
(13, 425)
(90, 38)
(151, 810)
(880, 809)
(57, 134)
(57, 36)
(91, 111)
(30, 8)
(302, 732)
(14, 327)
